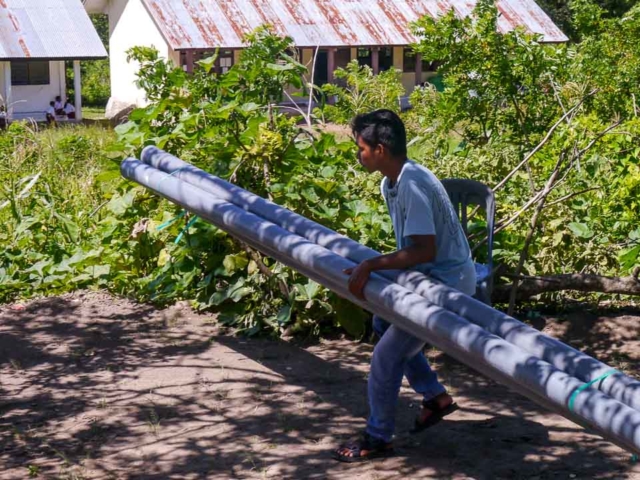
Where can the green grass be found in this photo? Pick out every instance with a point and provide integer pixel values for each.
(69, 160)
(55, 184)
(93, 113)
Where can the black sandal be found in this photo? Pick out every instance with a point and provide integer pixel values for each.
(437, 414)
(374, 448)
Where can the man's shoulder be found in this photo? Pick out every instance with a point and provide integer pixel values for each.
(417, 175)
(416, 169)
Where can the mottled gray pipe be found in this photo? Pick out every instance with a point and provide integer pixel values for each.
(464, 341)
(565, 358)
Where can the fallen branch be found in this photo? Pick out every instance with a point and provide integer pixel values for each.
(530, 286)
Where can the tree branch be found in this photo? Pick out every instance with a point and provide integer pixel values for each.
(598, 137)
(531, 286)
(571, 195)
(532, 229)
(542, 142)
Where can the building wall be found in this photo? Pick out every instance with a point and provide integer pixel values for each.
(174, 56)
(130, 25)
(32, 100)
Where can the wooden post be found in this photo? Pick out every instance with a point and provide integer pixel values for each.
(77, 87)
(418, 69)
(331, 67)
(375, 60)
(7, 89)
(189, 59)
(63, 80)
(331, 64)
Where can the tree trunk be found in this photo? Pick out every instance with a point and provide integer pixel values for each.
(530, 286)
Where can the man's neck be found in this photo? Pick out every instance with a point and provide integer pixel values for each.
(393, 169)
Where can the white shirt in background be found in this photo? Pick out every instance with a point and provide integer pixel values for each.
(69, 109)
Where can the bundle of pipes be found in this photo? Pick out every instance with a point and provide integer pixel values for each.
(543, 369)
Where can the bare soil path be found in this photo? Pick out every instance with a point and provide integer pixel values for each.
(94, 387)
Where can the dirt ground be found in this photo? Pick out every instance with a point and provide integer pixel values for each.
(93, 387)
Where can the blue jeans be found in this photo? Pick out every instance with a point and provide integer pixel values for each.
(396, 354)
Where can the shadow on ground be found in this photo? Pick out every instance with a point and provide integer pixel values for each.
(103, 388)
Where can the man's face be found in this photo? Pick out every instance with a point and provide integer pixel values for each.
(368, 156)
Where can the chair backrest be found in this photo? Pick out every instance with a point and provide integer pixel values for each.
(463, 193)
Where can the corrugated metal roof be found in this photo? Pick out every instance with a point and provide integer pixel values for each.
(188, 24)
(59, 29)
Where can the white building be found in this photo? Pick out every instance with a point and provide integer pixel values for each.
(374, 32)
(37, 37)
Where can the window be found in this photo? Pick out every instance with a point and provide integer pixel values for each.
(201, 55)
(386, 58)
(223, 63)
(225, 60)
(364, 56)
(30, 73)
(409, 62)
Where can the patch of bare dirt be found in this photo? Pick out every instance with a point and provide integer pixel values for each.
(94, 387)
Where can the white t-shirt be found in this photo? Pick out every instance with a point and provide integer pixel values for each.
(69, 109)
(50, 110)
(57, 105)
(419, 205)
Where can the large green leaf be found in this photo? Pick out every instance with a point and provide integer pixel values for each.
(629, 258)
(351, 317)
(284, 315)
(119, 204)
(581, 230)
(233, 263)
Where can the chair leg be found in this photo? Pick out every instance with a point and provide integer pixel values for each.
(482, 294)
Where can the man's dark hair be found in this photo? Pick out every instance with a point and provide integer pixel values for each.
(52, 103)
(57, 97)
(381, 127)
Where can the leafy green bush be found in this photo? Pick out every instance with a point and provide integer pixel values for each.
(71, 222)
(52, 185)
(230, 125)
(363, 92)
(566, 114)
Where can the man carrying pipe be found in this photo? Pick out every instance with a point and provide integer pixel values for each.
(429, 239)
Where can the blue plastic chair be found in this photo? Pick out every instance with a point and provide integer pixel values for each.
(464, 193)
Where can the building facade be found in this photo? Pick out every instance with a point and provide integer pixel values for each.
(37, 38)
(375, 32)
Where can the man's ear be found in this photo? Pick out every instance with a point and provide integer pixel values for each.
(380, 149)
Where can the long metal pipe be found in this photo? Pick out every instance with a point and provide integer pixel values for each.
(577, 364)
(467, 342)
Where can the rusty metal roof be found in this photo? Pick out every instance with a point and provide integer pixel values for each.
(53, 29)
(188, 24)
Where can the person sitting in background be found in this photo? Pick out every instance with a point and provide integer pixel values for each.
(58, 106)
(50, 113)
(69, 110)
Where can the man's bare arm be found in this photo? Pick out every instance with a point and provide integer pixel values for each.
(422, 250)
